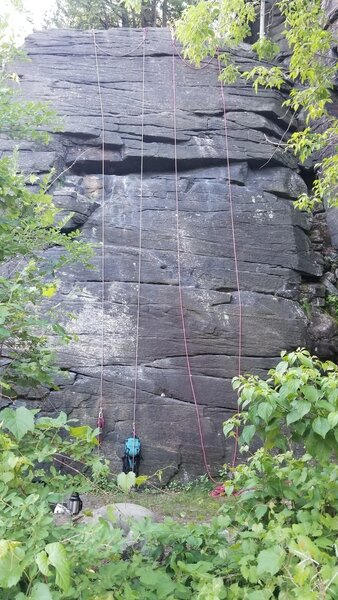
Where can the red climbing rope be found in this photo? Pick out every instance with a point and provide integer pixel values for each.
(180, 291)
(234, 245)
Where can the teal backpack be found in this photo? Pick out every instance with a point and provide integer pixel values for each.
(132, 455)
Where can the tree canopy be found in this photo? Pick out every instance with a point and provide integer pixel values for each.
(210, 25)
(104, 14)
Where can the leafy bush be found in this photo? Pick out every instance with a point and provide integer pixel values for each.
(274, 537)
(37, 559)
(288, 501)
(298, 404)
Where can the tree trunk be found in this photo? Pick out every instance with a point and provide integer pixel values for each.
(165, 13)
(153, 12)
(125, 18)
(262, 20)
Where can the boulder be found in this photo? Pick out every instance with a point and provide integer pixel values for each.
(121, 514)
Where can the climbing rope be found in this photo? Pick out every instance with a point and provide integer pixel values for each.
(140, 241)
(180, 291)
(100, 420)
(234, 246)
(181, 301)
(114, 55)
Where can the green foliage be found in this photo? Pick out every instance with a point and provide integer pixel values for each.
(297, 404)
(202, 483)
(331, 302)
(19, 118)
(28, 227)
(266, 49)
(208, 26)
(275, 535)
(103, 14)
(268, 77)
(35, 557)
(126, 481)
(287, 500)
(26, 230)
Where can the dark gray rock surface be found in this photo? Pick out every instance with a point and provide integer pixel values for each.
(273, 247)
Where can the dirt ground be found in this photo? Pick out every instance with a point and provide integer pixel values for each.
(182, 505)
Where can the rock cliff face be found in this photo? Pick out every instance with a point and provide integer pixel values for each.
(275, 255)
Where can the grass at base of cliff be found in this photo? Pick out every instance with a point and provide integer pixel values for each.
(191, 503)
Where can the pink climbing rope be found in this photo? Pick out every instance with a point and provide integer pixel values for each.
(180, 291)
(234, 245)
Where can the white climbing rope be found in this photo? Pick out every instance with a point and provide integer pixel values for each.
(140, 239)
(103, 222)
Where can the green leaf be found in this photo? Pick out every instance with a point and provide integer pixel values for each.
(270, 561)
(49, 422)
(49, 290)
(333, 419)
(248, 433)
(59, 330)
(260, 510)
(33, 178)
(42, 562)
(4, 333)
(302, 408)
(3, 313)
(11, 563)
(58, 558)
(305, 360)
(282, 367)
(47, 217)
(227, 427)
(41, 591)
(310, 393)
(111, 513)
(141, 479)
(18, 421)
(265, 411)
(259, 595)
(82, 432)
(157, 581)
(321, 426)
(126, 481)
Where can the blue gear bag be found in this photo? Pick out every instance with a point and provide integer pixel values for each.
(132, 447)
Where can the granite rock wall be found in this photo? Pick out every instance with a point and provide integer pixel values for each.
(275, 255)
